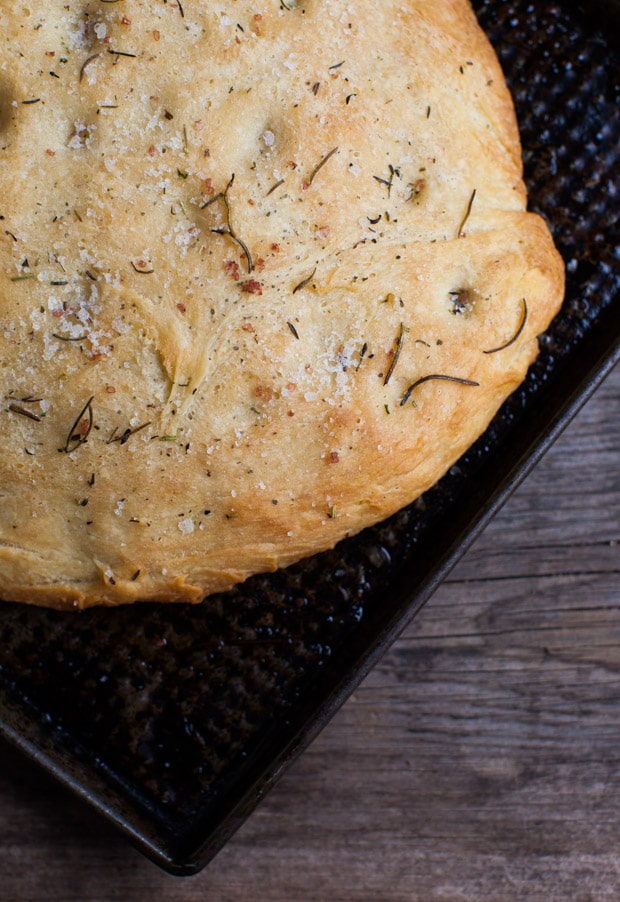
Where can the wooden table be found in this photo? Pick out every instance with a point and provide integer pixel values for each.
(479, 761)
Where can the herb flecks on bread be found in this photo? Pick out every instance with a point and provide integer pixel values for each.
(266, 271)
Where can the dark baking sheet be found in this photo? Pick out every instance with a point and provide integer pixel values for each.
(175, 721)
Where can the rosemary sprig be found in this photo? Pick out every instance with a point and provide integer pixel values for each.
(17, 408)
(363, 352)
(520, 329)
(400, 340)
(81, 428)
(241, 244)
(228, 230)
(124, 437)
(293, 330)
(86, 63)
(121, 53)
(274, 187)
(442, 376)
(319, 166)
(212, 200)
(69, 337)
(389, 181)
(304, 282)
(459, 233)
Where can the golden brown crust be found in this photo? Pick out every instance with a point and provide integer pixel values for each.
(240, 244)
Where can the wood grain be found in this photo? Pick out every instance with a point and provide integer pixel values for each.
(479, 761)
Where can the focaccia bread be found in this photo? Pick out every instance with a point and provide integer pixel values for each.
(266, 271)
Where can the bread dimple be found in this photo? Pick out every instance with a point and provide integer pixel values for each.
(266, 272)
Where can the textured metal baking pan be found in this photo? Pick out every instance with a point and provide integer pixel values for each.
(173, 721)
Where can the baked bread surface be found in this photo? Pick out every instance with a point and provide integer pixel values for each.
(266, 272)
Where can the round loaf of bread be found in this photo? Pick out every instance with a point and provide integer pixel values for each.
(266, 271)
